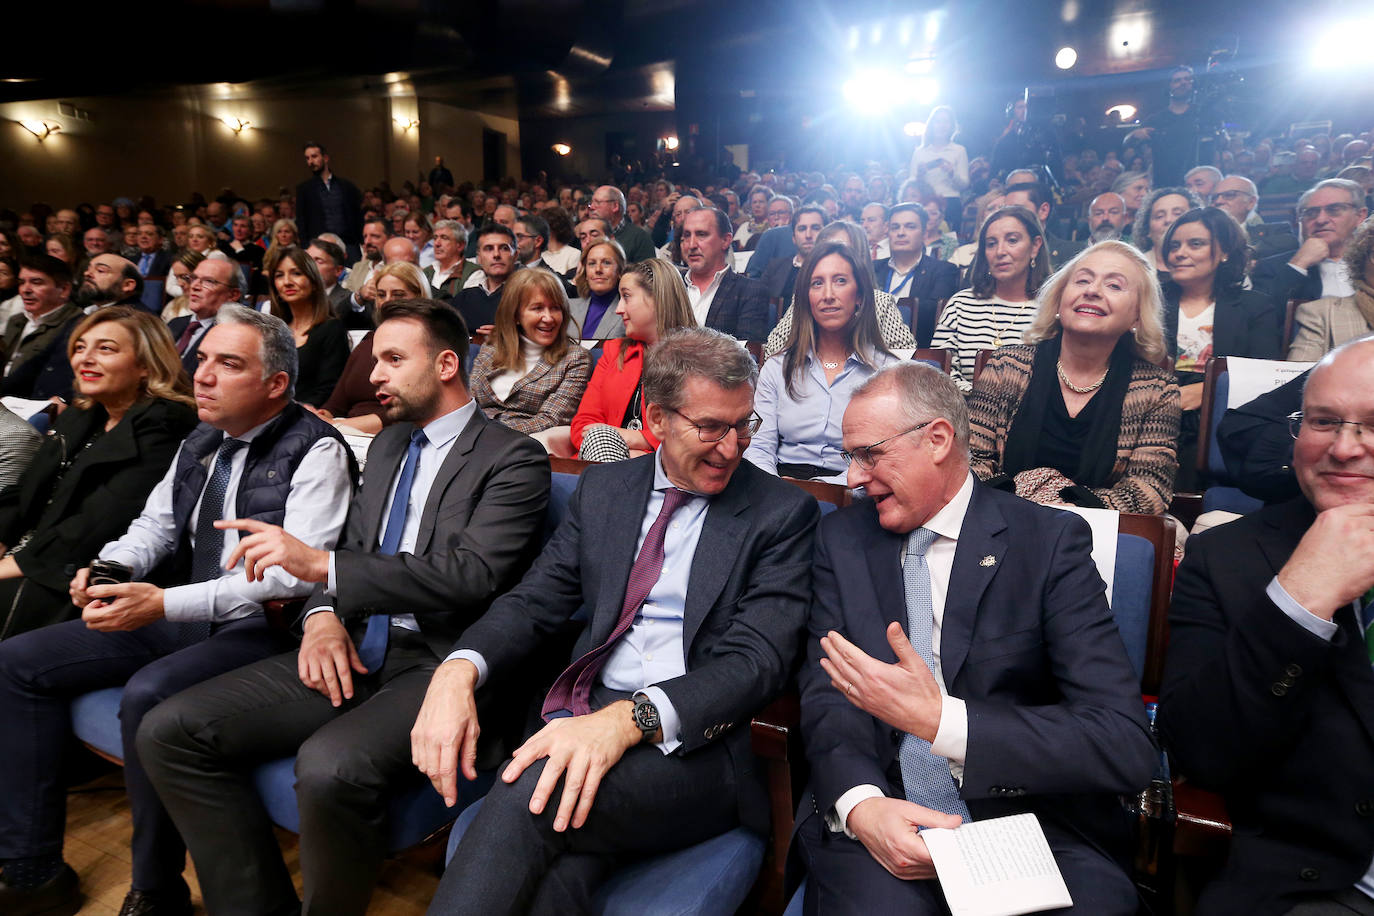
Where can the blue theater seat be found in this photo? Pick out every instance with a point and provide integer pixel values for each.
(712, 877)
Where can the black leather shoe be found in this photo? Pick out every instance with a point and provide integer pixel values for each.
(60, 895)
(155, 903)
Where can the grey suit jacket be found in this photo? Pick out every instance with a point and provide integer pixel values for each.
(609, 327)
(479, 531)
(750, 585)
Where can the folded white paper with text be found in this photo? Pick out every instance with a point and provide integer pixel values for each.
(997, 867)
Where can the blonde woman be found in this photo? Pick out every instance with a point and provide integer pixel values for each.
(1080, 412)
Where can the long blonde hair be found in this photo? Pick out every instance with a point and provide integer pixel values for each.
(520, 289)
(1149, 330)
(672, 309)
(153, 350)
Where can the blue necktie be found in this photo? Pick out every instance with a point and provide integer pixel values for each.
(207, 557)
(372, 649)
(145, 264)
(925, 776)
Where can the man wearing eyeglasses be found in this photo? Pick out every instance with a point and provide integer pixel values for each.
(1268, 690)
(694, 569)
(962, 664)
(214, 282)
(1328, 216)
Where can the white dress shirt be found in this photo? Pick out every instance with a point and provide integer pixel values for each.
(315, 511)
(701, 299)
(951, 738)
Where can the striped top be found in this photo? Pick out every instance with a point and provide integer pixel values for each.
(969, 324)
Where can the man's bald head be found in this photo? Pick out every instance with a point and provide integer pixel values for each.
(400, 250)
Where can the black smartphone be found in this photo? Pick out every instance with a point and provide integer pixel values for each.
(108, 572)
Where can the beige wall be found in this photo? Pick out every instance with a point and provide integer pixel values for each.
(170, 147)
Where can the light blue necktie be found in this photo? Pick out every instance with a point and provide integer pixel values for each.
(145, 264)
(372, 649)
(925, 776)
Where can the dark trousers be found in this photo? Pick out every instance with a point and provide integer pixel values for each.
(842, 877)
(200, 750)
(511, 861)
(42, 670)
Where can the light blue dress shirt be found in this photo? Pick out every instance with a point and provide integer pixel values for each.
(806, 429)
(651, 651)
(440, 435)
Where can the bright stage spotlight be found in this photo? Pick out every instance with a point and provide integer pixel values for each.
(1066, 58)
(1331, 47)
(873, 92)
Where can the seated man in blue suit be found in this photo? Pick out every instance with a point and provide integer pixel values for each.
(962, 664)
(695, 570)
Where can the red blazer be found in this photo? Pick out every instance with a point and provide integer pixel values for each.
(612, 387)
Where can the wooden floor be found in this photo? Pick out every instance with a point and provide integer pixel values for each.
(97, 846)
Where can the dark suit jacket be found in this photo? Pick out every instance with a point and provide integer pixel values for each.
(1273, 277)
(341, 304)
(1256, 445)
(74, 514)
(932, 281)
(778, 279)
(41, 368)
(740, 307)
(1055, 722)
(189, 361)
(750, 583)
(161, 264)
(310, 211)
(1278, 720)
(478, 533)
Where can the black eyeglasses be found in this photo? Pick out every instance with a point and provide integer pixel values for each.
(864, 453)
(715, 430)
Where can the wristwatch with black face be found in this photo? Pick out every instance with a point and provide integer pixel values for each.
(645, 716)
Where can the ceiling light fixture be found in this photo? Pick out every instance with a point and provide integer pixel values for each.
(562, 149)
(41, 129)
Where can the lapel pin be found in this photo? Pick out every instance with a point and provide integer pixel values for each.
(988, 560)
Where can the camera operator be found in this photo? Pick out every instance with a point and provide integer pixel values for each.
(1173, 132)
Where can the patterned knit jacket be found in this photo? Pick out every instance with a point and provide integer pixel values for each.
(1142, 479)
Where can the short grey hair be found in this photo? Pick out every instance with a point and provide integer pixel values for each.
(1209, 169)
(235, 281)
(278, 350)
(925, 394)
(701, 352)
(1342, 184)
(460, 234)
(616, 194)
(1126, 179)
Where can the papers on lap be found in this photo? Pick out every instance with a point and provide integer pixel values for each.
(998, 867)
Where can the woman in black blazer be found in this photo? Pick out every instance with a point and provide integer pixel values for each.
(96, 467)
(1207, 313)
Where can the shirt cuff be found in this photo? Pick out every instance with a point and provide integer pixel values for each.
(471, 655)
(668, 719)
(186, 604)
(115, 554)
(316, 610)
(838, 819)
(1324, 629)
(951, 738)
(331, 587)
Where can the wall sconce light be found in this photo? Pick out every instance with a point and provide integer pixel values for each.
(1124, 111)
(41, 129)
(407, 123)
(237, 125)
(562, 149)
(670, 143)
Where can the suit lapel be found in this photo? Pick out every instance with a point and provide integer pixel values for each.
(618, 531)
(531, 378)
(983, 535)
(457, 458)
(883, 552)
(722, 536)
(719, 300)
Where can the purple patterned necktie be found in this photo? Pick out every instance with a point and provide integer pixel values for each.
(573, 689)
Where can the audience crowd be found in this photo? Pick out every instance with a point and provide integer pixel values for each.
(965, 341)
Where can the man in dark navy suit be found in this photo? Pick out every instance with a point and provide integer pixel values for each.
(214, 282)
(962, 664)
(648, 731)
